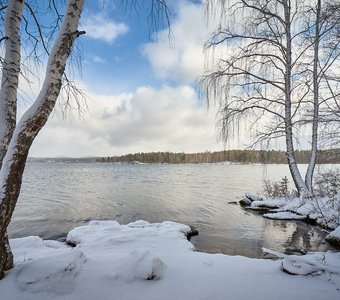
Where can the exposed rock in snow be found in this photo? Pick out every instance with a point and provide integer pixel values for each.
(334, 237)
(248, 199)
(245, 202)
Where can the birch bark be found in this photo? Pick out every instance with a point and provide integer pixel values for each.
(8, 99)
(10, 74)
(260, 75)
(294, 170)
(34, 119)
(315, 125)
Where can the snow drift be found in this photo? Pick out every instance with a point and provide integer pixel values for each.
(154, 261)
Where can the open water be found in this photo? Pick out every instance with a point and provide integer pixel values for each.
(57, 197)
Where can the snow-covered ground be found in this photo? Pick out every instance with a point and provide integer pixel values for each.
(155, 261)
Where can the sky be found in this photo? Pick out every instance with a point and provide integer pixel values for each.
(141, 86)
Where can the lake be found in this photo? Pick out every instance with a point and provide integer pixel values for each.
(57, 197)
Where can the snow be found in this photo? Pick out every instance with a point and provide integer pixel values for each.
(324, 211)
(334, 236)
(335, 233)
(154, 261)
(271, 203)
(51, 272)
(313, 263)
(284, 215)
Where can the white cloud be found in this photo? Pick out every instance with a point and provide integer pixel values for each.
(100, 27)
(185, 61)
(147, 120)
(99, 60)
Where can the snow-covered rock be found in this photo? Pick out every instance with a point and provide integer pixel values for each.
(321, 210)
(313, 263)
(140, 265)
(268, 203)
(284, 215)
(248, 198)
(55, 273)
(334, 237)
(121, 258)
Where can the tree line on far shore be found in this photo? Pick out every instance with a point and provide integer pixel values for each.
(242, 156)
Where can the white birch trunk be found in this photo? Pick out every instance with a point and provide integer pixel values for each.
(10, 74)
(8, 97)
(294, 170)
(35, 118)
(312, 161)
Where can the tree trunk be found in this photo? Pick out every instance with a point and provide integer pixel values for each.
(314, 150)
(10, 75)
(294, 170)
(6, 256)
(36, 116)
(8, 101)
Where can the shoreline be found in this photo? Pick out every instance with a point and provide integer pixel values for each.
(316, 212)
(143, 260)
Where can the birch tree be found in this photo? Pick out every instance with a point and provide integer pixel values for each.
(315, 121)
(323, 34)
(329, 67)
(270, 74)
(16, 139)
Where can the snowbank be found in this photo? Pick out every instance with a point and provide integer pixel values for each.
(151, 261)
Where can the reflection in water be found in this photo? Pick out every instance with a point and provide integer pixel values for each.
(57, 197)
(303, 239)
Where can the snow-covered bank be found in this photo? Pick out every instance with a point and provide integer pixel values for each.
(320, 210)
(152, 261)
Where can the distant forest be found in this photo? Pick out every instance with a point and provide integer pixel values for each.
(241, 156)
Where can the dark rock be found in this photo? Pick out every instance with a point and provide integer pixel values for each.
(252, 197)
(294, 251)
(191, 233)
(266, 206)
(334, 237)
(311, 221)
(245, 202)
(334, 241)
(248, 199)
(71, 243)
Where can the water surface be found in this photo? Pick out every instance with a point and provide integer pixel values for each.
(57, 197)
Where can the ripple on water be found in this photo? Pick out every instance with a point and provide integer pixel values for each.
(57, 197)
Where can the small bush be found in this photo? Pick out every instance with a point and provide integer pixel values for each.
(326, 188)
(327, 183)
(278, 189)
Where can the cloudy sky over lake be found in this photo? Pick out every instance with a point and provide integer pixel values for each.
(142, 90)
